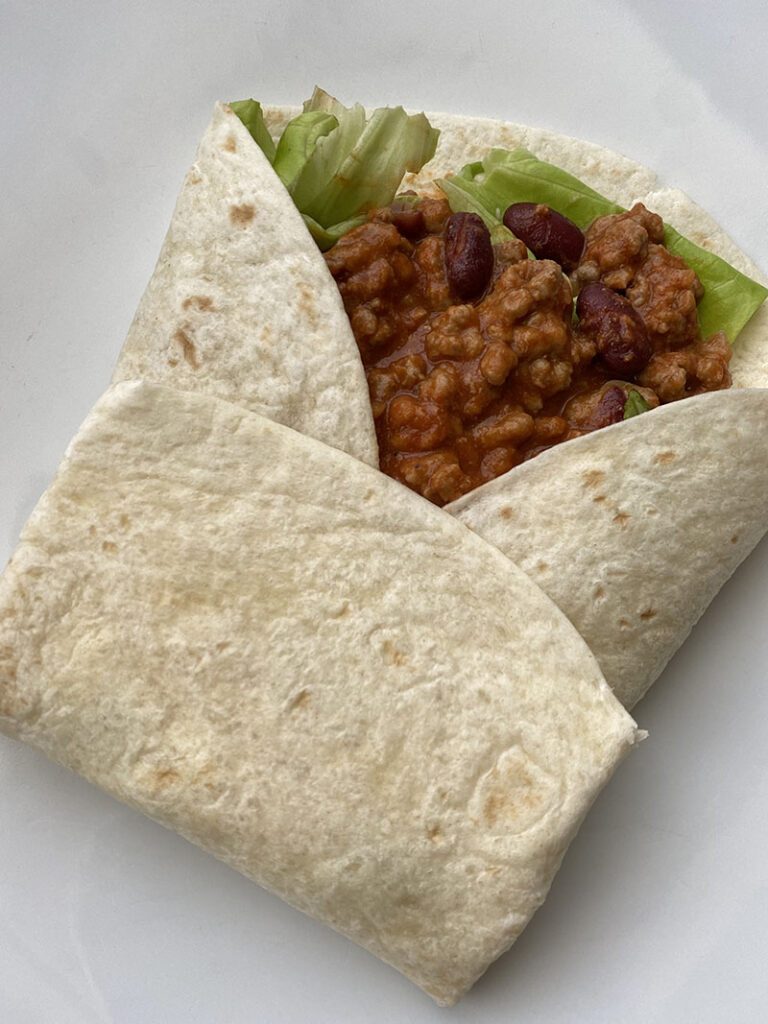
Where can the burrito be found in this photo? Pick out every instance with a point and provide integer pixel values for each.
(537, 427)
(309, 671)
(225, 614)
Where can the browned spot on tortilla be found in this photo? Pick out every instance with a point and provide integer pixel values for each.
(407, 900)
(664, 457)
(600, 498)
(434, 833)
(109, 546)
(624, 623)
(493, 806)
(222, 645)
(91, 531)
(123, 520)
(622, 518)
(230, 144)
(502, 802)
(193, 178)
(393, 655)
(368, 495)
(9, 670)
(507, 512)
(203, 778)
(241, 215)
(649, 613)
(202, 302)
(301, 700)
(735, 538)
(307, 303)
(542, 566)
(164, 777)
(593, 477)
(173, 361)
(599, 591)
(188, 349)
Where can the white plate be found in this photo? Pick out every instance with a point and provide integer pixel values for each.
(660, 913)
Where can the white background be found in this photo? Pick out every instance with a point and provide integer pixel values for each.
(660, 913)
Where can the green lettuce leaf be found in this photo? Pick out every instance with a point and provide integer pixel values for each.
(730, 299)
(249, 112)
(370, 171)
(326, 237)
(634, 405)
(504, 177)
(299, 141)
(330, 151)
(338, 165)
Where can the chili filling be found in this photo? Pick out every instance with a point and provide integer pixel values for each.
(473, 357)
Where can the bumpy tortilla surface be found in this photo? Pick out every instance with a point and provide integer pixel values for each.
(309, 671)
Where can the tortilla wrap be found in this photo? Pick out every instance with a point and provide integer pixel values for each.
(241, 304)
(679, 497)
(310, 672)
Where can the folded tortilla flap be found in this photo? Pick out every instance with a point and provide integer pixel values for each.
(241, 304)
(633, 529)
(309, 671)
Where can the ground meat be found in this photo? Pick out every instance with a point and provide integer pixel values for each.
(702, 366)
(529, 309)
(401, 375)
(507, 253)
(454, 334)
(436, 212)
(583, 349)
(429, 261)
(464, 391)
(510, 427)
(438, 476)
(416, 425)
(378, 283)
(617, 245)
(665, 291)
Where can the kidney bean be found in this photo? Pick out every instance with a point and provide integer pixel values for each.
(610, 408)
(548, 234)
(468, 256)
(617, 329)
(408, 219)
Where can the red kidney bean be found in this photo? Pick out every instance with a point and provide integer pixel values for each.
(548, 234)
(468, 256)
(617, 329)
(610, 408)
(408, 219)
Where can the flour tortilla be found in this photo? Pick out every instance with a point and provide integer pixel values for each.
(682, 494)
(632, 531)
(309, 671)
(241, 304)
